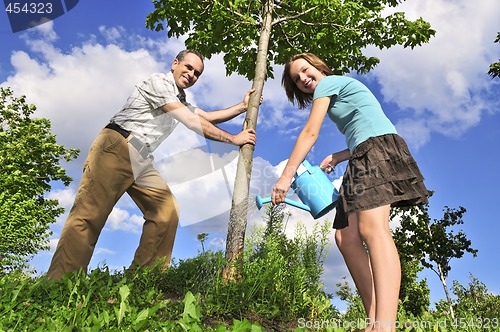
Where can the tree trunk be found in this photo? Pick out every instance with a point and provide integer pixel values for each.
(446, 292)
(239, 207)
(442, 277)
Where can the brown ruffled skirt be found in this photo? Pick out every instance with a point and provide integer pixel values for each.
(381, 171)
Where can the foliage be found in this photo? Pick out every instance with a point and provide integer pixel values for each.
(191, 296)
(476, 309)
(476, 298)
(413, 297)
(414, 294)
(495, 67)
(281, 283)
(99, 301)
(289, 270)
(355, 310)
(337, 31)
(433, 243)
(202, 237)
(421, 242)
(281, 277)
(280, 290)
(29, 162)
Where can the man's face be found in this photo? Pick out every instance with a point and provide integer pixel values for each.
(187, 71)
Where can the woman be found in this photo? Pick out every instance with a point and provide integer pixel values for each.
(381, 173)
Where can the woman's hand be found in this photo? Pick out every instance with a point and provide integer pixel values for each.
(280, 190)
(328, 164)
(332, 160)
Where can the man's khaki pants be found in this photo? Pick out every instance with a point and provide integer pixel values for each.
(112, 168)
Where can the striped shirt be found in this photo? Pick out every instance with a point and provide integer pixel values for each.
(142, 115)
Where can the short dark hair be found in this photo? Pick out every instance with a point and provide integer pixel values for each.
(182, 55)
(292, 91)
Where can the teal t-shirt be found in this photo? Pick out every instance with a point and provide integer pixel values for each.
(354, 109)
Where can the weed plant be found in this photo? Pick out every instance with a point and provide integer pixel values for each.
(280, 289)
(280, 283)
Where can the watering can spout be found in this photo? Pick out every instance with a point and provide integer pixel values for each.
(260, 201)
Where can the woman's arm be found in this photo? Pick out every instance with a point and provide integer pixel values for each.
(332, 160)
(303, 145)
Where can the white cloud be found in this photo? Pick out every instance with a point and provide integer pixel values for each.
(119, 218)
(46, 31)
(65, 197)
(122, 220)
(104, 251)
(216, 90)
(415, 131)
(444, 83)
(181, 141)
(78, 89)
(53, 244)
(112, 35)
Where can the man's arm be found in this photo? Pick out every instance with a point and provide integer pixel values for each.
(203, 127)
(228, 113)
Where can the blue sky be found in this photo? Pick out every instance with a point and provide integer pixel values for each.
(80, 68)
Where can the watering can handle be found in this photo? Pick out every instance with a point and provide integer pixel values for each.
(259, 200)
(308, 166)
(305, 166)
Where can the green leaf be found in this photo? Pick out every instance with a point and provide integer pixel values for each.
(124, 293)
(192, 312)
(143, 315)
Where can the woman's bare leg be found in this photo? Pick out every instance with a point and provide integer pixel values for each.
(357, 260)
(374, 230)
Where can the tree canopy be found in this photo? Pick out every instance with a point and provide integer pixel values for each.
(495, 67)
(29, 163)
(337, 31)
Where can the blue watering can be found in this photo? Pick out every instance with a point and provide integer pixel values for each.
(315, 190)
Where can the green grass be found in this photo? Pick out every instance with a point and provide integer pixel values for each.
(280, 284)
(280, 289)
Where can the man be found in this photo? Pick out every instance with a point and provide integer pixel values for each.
(119, 161)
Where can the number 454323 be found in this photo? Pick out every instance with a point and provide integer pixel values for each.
(486, 323)
(29, 8)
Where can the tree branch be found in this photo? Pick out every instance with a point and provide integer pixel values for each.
(287, 38)
(330, 25)
(298, 16)
(289, 18)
